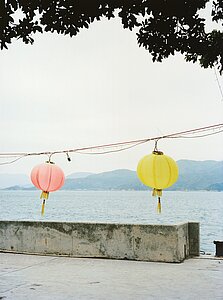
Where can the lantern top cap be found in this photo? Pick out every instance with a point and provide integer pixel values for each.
(156, 152)
(49, 162)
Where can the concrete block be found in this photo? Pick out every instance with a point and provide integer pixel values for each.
(194, 238)
(164, 243)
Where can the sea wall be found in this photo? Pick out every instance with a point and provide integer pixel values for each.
(163, 243)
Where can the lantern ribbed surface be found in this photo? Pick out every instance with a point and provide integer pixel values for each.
(47, 177)
(157, 171)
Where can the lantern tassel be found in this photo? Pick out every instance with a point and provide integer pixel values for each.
(44, 195)
(159, 206)
(157, 192)
(43, 207)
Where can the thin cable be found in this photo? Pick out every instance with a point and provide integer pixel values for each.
(133, 143)
(197, 136)
(202, 129)
(219, 86)
(111, 151)
(12, 161)
(152, 139)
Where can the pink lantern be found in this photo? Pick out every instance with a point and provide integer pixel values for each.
(47, 177)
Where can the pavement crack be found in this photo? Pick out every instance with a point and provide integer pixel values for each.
(27, 267)
(13, 288)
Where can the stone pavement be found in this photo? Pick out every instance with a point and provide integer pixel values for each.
(46, 277)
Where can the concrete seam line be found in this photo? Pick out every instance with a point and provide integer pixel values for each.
(30, 266)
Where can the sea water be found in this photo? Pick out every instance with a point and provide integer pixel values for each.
(135, 207)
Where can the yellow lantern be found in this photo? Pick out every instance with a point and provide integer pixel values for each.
(157, 171)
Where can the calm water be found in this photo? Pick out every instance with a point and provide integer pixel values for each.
(121, 207)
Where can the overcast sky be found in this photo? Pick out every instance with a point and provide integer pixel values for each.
(100, 87)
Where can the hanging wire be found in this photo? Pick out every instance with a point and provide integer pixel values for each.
(112, 151)
(155, 147)
(122, 146)
(219, 86)
(11, 161)
(197, 136)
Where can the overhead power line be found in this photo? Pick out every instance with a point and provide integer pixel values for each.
(115, 147)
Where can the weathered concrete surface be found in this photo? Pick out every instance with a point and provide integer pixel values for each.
(165, 243)
(64, 278)
(194, 238)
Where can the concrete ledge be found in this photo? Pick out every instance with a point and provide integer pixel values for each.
(163, 243)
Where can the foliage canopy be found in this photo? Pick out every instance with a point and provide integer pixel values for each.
(164, 26)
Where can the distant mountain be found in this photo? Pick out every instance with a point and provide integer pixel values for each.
(79, 175)
(193, 175)
(7, 180)
(114, 180)
(198, 175)
(216, 187)
(19, 188)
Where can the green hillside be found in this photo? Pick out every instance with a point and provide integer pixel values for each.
(193, 175)
(198, 175)
(114, 180)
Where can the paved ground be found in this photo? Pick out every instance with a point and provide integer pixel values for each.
(44, 277)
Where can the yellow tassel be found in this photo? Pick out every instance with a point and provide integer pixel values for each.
(159, 206)
(43, 207)
(157, 192)
(44, 195)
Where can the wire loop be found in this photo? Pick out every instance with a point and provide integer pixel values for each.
(120, 146)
